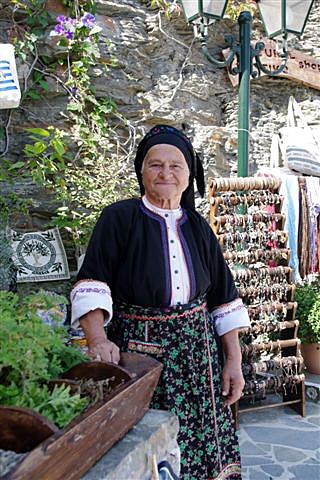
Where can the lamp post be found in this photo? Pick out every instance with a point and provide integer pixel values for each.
(281, 18)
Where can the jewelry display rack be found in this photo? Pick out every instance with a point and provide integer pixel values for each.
(245, 216)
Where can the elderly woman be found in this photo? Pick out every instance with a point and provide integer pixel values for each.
(154, 272)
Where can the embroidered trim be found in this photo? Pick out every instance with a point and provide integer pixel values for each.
(228, 471)
(212, 391)
(187, 255)
(164, 238)
(232, 307)
(89, 290)
(176, 212)
(145, 347)
(160, 317)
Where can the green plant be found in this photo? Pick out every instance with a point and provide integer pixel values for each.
(308, 312)
(45, 156)
(233, 9)
(32, 353)
(74, 163)
(166, 6)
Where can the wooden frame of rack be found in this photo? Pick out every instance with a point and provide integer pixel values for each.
(285, 377)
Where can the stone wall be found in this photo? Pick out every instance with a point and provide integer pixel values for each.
(162, 76)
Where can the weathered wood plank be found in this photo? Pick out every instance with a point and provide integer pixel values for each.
(69, 453)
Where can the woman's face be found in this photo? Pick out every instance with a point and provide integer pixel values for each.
(165, 175)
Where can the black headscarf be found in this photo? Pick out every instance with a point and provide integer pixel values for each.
(172, 136)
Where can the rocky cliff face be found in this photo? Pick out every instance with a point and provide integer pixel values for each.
(162, 76)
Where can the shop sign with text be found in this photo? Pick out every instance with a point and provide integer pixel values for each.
(300, 67)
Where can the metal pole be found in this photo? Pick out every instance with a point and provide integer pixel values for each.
(244, 21)
(283, 15)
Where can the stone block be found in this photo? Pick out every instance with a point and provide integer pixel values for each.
(312, 388)
(130, 458)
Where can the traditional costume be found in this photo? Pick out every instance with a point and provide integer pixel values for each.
(161, 279)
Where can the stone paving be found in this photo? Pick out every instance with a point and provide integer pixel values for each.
(277, 443)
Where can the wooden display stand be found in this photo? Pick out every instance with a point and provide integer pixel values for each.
(245, 216)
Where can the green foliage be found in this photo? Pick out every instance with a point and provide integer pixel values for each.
(11, 204)
(30, 5)
(45, 156)
(308, 312)
(80, 36)
(59, 405)
(74, 163)
(166, 6)
(26, 46)
(80, 6)
(235, 7)
(31, 353)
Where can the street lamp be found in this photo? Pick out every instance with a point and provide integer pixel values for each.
(280, 18)
(293, 17)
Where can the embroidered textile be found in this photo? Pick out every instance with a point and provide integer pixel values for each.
(290, 208)
(39, 256)
(89, 295)
(190, 383)
(313, 196)
(178, 266)
(128, 230)
(229, 316)
(304, 227)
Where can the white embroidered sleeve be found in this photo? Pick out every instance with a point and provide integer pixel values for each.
(229, 316)
(87, 296)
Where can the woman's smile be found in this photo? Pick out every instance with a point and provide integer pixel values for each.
(165, 175)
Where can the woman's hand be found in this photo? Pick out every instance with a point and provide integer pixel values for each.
(232, 381)
(100, 348)
(232, 378)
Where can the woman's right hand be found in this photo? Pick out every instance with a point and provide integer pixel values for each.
(100, 348)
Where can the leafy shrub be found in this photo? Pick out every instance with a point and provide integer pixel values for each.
(31, 353)
(308, 312)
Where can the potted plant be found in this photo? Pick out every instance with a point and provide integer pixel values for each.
(308, 314)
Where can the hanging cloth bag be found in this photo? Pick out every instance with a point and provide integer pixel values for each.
(300, 146)
(10, 94)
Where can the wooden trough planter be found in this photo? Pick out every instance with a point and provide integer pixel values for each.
(67, 454)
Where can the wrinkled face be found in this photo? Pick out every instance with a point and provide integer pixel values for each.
(165, 175)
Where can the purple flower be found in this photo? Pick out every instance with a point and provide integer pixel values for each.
(59, 29)
(61, 18)
(74, 90)
(70, 21)
(88, 19)
(69, 34)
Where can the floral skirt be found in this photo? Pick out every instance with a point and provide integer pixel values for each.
(182, 338)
